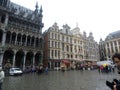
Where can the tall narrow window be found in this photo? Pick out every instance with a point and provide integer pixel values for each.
(3, 19)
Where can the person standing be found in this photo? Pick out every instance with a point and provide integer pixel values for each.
(2, 76)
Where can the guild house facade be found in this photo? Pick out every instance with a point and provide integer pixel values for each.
(69, 48)
(21, 40)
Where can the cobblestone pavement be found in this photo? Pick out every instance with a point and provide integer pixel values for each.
(57, 80)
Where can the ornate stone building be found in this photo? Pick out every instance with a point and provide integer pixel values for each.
(21, 40)
(91, 49)
(112, 44)
(69, 47)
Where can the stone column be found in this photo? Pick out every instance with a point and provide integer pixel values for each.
(110, 47)
(16, 43)
(30, 41)
(24, 57)
(33, 63)
(1, 56)
(20, 43)
(26, 41)
(34, 42)
(6, 20)
(113, 47)
(14, 59)
(3, 38)
(118, 46)
(10, 38)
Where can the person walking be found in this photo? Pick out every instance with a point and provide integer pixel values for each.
(46, 70)
(2, 76)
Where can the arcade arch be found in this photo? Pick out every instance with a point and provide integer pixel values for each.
(38, 58)
(8, 57)
(19, 59)
(29, 59)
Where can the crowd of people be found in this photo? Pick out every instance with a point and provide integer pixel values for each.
(106, 68)
(36, 69)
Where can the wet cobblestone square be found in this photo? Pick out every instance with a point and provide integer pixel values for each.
(57, 80)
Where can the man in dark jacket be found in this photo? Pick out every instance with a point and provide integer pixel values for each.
(115, 85)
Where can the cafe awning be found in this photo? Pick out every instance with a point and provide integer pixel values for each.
(66, 61)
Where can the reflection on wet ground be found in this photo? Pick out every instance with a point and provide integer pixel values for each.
(57, 80)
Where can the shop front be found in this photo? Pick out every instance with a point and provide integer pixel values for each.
(65, 64)
(90, 64)
(56, 63)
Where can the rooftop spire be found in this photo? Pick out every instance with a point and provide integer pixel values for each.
(36, 8)
(41, 10)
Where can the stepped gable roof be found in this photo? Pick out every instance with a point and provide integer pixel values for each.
(113, 35)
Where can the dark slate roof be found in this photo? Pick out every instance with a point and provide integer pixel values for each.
(113, 35)
(26, 13)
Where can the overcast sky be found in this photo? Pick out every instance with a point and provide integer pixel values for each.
(100, 17)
